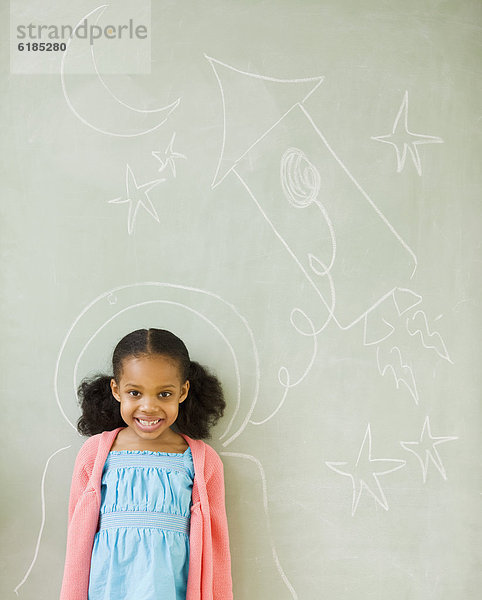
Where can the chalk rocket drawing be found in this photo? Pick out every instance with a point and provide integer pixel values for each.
(299, 184)
(169, 157)
(326, 221)
(425, 450)
(365, 472)
(118, 118)
(137, 196)
(404, 141)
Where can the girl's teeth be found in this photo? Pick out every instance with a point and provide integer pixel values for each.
(147, 423)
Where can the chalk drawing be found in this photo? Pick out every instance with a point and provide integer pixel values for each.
(377, 329)
(325, 202)
(365, 472)
(137, 195)
(39, 537)
(301, 172)
(293, 86)
(300, 181)
(285, 579)
(284, 377)
(405, 299)
(425, 449)
(236, 334)
(404, 140)
(402, 372)
(169, 158)
(136, 120)
(429, 339)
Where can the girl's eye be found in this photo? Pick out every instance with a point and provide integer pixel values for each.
(133, 392)
(165, 394)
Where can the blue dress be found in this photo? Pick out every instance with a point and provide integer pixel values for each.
(141, 550)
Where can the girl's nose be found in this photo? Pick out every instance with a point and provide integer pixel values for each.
(150, 403)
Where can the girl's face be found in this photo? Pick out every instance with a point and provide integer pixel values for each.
(150, 391)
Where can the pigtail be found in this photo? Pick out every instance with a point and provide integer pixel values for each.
(204, 404)
(100, 410)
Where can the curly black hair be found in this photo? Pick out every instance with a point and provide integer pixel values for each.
(201, 410)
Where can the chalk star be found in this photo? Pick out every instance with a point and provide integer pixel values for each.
(425, 449)
(138, 195)
(364, 473)
(404, 140)
(171, 156)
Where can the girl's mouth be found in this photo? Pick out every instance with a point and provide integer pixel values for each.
(148, 425)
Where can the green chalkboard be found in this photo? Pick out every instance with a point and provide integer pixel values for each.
(293, 188)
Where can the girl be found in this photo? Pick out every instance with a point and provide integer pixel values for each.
(147, 519)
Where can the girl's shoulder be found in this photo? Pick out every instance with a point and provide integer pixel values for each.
(100, 442)
(200, 446)
(210, 458)
(211, 453)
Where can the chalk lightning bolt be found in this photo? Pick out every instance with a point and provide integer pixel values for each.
(429, 339)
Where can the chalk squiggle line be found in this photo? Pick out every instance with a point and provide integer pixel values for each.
(431, 334)
(408, 382)
(300, 196)
(284, 374)
(42, 495)
(294, 595)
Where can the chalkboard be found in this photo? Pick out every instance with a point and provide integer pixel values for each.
(293, 188)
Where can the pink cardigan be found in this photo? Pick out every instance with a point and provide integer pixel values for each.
(209, 558)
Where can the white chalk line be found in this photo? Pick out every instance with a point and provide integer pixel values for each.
(301, 187)
(169, 108)
(145, 201)
(361, 484)
(171, 157)
(245, 323)
(268, 523)
(391, 329)
(295, 258)
(408, 383)
(295, 183)
(313, 333)
(331, 314)
(42, 496)
(211, 60)
(431, 334)
(430, 454)
(233, 168)
(284, 370)
(186, 307)
(403, 293)
(407, 146)
(362, 191)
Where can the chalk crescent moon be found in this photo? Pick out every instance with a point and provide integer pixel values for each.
(122, 111)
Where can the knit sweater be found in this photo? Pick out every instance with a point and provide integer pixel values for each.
(209, 557)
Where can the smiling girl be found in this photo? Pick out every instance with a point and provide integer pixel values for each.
(147, 518)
